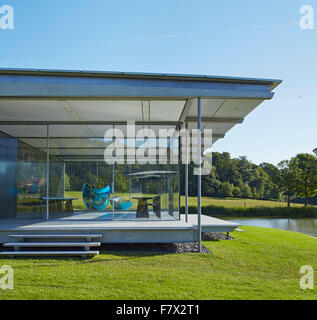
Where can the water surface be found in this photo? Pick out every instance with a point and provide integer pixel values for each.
(303, 225)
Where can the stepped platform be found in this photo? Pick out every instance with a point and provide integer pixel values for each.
(121, 231)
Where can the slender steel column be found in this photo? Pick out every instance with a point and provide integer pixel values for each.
(186, 174)
(113, 179)
(97, 172)
(170, 195)
(179, 176)
(47, 170)
(64, 175)
(199, 174)
(113, 191)
(130, 182)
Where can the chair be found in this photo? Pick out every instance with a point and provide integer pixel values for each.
(156, 204)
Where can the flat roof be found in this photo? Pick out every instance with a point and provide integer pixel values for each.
(80, 105)
(140, 75)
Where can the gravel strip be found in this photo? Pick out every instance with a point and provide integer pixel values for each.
(215, 236)
(176, 247)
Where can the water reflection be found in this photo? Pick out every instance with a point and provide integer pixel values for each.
(307, 225)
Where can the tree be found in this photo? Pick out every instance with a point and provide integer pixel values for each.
(288, 178)
(245, 169)
(306, 178)
(272, 171)
(258, 181)
(236, 192)
(245, 191)
(67, 182)
(272, 187)
(272, 190)
(226, 189)
(211, 184)
(247, 179)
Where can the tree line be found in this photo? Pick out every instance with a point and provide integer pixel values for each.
(238, 177)
(291, 180)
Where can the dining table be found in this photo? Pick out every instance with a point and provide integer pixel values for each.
(58, 202)
(142, 210)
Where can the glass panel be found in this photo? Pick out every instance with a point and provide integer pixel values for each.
(8, 177)
(22, 172)
(86, 186)
(146, 192)
(82, 185)
(31, 179)
(80, 180)
(148, 189)
(124, 193)
(87, 190)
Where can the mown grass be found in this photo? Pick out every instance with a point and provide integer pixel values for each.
(249, 208)
(238, 203)
(260, 264)
(224, 206)
(270, 212)
(206, 201)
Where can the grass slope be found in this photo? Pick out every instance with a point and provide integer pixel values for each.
(260, 264)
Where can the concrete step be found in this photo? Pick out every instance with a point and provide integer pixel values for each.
(56, 236)
(52, 244)
(49, 253)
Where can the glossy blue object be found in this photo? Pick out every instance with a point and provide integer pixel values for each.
(126, 205)
(94, 198)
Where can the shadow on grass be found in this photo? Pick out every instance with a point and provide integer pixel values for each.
(122, 254)
(124, 251)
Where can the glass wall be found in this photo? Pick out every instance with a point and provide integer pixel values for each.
(82, 183)
(31, 179)
(147, 191)
(87, 189)
(23, 172)
(85, 184)
(8, 176)
(80, 179)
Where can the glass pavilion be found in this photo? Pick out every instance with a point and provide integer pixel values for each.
(55, 126)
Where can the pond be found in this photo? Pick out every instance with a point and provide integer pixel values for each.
(303, 225)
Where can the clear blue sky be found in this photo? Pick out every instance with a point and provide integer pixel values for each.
(237, 38)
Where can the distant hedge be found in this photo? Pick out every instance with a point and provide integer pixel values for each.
(283, 212)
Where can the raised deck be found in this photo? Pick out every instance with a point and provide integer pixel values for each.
(132, 231)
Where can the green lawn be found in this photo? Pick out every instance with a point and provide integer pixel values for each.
(260, 264)
(238, 203)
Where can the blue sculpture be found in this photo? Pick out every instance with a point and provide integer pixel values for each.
(121, 204)
(94, 198)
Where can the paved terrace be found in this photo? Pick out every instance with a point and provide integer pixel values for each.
(145, 231)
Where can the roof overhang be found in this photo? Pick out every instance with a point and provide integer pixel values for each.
(83, 104)
(29, 83)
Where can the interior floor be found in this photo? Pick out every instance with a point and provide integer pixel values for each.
(118, 215)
